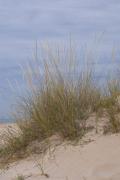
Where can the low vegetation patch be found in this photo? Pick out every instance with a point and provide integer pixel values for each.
(20, 177)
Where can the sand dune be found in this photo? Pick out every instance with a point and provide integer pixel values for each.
(97, 160)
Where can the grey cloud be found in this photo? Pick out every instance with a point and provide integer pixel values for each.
(24, 21)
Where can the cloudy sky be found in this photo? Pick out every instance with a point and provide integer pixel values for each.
(22, 22)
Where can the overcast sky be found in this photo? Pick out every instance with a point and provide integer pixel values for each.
(22, 22)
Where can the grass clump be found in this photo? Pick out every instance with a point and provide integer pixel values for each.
(59, 103)
(111, 102)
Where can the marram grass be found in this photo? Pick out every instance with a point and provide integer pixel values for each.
(59, 103)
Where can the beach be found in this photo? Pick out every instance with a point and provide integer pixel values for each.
(97, 159)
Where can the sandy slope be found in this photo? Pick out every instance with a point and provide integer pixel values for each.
(97, 160)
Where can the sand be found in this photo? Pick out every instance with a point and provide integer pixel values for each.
(96, 160)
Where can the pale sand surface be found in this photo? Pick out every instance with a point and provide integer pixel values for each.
(97, 160)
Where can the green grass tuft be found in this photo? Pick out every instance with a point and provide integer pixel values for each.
(59, 103)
